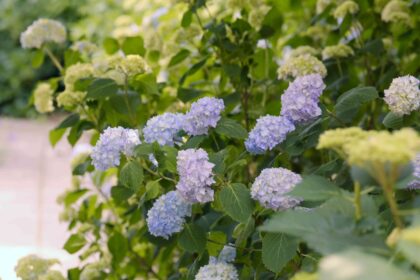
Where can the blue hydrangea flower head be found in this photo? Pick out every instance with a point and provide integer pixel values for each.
(268, 133)
(167, 216)
(204, 113)
(163, 128)
(195, 175)
(270, 188)
(227, 255)
(300, 100)
(415, 184)
(217, 271)
(112, 142)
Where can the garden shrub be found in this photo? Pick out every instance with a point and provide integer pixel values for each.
(242, 140)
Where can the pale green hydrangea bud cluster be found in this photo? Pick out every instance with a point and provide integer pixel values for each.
(397, 11)
(43, 98)
(403, 95)
(43, 31)
(345, 8)
(301, 65)
(337, 51)
(71, 97)
(303, 50)
(33, 267)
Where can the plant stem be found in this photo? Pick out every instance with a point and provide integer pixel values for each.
(127, 102)
(340, 70)
(157, 174)
(244, 100)
(54, 59)
(357, 201)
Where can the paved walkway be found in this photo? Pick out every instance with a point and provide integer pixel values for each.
(32, 175)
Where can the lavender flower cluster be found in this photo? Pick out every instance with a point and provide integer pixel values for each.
(268, 133)
(270, 188)
(195, 176)
(300, 100)
(163, 128)
(112, 142)
(415, 184)
(167, 216)
(204, 113)
(299, 105)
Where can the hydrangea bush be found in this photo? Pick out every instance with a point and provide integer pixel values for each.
(240, 139)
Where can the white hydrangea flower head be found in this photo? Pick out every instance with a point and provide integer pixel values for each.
(300, 100)
(204, 113)
(270, 188)
(217, 271)
(84, 47)
(337, 51)
(227, 255)
(303, 50)
(112, 142)
(416, 173)
(76, 72)
(32, 267)
(43, 31)
(300, 66)
(195, 175)
(52, 275)
(43, 100)
(70, 98)
(129, 65)
(268, 133)
(163, 129)
(167, 216)
(403, 95)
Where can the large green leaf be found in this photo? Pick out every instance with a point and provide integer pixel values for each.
(179, 57)
(69, 121)
(236, 202)
(193, 239)
(118, 246)
(102, 88)
(133, 45)
(357, 265)
(75, 243)
(392, 120)
(315, 188)
(277, 250)
(231, 128)
(131, 175)
(349, 103)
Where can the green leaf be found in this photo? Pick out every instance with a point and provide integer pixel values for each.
(131, 175)
(102, 88)
(392, 120)
(111, 45)
(192, 70)
(133, 45)
(193, 239)
(144, 149)
(277, 250)
(186, 19)
(55, 135)
(355, 265)
(231, 128)
(153, 190)
(194, 142)
(243, 231)
(236, 201)
(71, 57)
(69, 121)
(315, 188)
(74, 243)
(38, 59)
(187, 94)
(179, 57)
(121, 194)
(349, 103)
(215, 243)
(146, 84)
(118, 246)
(74, 196)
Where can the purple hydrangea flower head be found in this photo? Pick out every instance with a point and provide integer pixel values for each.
(112, 142)
(268, 133)
(167, 216)
(195, 175)
(163, 128)
(415, 184)
(300, 100)
(228, 254)
(270, 188)
(217, 271)
(204, 113)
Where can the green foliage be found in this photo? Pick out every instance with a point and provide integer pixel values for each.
(232, 50)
